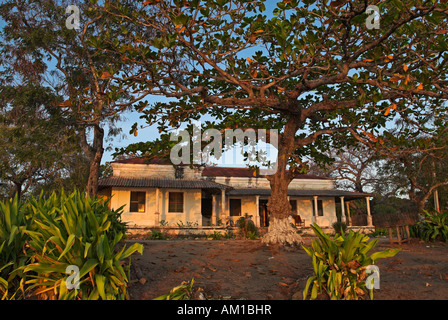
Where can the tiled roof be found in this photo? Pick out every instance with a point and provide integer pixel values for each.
(213, 171)
(245, 172)
(348, 195)
(142, 160)
(160, 183)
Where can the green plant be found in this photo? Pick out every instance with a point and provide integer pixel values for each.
(434, 226)
(246, 226)
(339, 227)
(13, 223)
(157, 235)
(339, 264)
(76, 232)
(216, 235)
(182, 292)
(252, 235)
(163, 223)
(229, 235)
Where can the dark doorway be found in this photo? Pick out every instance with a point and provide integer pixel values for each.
(206, 210)
(263, 213)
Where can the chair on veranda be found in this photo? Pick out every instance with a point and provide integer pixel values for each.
(298, 221)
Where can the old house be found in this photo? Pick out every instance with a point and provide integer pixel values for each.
(155, 192)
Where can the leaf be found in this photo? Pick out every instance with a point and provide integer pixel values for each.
(135, 247)
(387, 111)
(69, 244)
(384, 254)
(66, 103)
(441, 31)
(420, 86)
(337, 3)
(106, 75)
(405, 68)
(88, 266)
(250, 60)
(100, 281)
(259, 31)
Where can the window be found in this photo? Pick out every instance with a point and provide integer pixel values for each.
(320, 210)
(137, 201)
(176, 202)
(235, 207)
(293, 204)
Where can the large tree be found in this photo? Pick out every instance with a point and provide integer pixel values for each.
(319, 71)
(58, 41)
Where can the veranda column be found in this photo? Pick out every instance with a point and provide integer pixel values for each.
(257, 211)
(315, 214)
(157, 213)
(349, 219)
(213, 218)
(223, 207)
(369, 216)
(343, 218)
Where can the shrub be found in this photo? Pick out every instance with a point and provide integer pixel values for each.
(246, 227)
(13, 223)
(216, 235)
(182, 292)
(74, 231)
(340, 264)
(157, 235)
(433, 227)
(339, 227)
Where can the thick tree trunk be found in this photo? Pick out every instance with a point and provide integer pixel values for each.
(95, 153)
(94, 172)
(280, 230)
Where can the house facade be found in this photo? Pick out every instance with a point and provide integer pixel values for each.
(156, 193)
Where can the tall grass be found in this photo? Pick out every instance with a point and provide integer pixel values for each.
(45, 240)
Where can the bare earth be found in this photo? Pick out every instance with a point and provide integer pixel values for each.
(248, 269)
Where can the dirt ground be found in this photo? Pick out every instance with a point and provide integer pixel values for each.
(248, 269)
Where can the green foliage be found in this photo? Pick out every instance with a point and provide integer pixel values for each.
(339, 264)
(157, 235)
(216, 236)
(339, 227)
(44, 238)
(433, 227)
(182, 292)
(246, 227)
(13, 223)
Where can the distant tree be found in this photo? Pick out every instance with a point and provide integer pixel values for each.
(415, 158)
(44, 37)
(36, 144)
(315, 70)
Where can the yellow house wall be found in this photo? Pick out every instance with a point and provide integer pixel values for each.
(150, 218)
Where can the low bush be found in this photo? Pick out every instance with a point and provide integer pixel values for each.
(157, 235)
(246, 227)
(64, 247)
(433, 227)
(340, 264)
(13, 255)
(339, 227)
